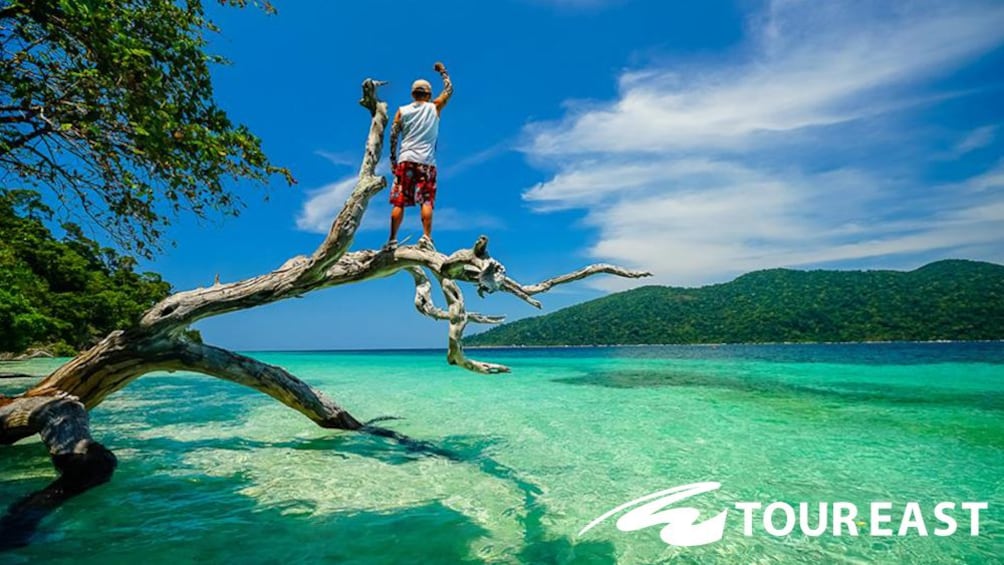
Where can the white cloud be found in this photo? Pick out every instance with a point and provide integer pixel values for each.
(700, 173)
(323, 204)
(754, 221)
(796, 80)
(991, 179)
(976, 139)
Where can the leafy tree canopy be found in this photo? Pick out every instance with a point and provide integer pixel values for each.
(65, 293)
(108, 105)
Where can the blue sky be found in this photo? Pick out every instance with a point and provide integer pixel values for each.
(698, 140)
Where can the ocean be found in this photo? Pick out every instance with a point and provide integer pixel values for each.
(510, 468)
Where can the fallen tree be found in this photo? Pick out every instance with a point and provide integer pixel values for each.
(56, 408)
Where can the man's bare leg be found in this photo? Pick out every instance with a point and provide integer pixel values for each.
(396, 217)
(427, 220)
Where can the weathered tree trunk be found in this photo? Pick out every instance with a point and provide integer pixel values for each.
(56, 408)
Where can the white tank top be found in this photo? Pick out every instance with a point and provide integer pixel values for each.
(419, 132)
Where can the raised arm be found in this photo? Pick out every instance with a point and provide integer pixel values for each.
(395, 132)
(447, 92)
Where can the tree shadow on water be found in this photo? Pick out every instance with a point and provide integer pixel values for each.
(196, 517)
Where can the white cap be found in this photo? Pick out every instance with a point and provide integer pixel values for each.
(421, 85)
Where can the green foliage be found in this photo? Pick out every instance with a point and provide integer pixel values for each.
(109, 105)
(954, 300)
(64, 293)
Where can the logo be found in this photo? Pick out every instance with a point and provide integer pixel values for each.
(682, 525)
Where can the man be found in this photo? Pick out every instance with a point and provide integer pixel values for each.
(417, 124)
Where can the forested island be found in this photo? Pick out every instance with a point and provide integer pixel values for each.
(945, 300)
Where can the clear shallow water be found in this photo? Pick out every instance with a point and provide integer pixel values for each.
(212, 471)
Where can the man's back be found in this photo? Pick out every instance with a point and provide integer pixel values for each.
(420, 131)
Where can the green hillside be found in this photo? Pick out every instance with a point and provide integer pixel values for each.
(953, 299)
(62, 293)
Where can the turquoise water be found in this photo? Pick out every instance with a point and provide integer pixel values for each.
(515, 465)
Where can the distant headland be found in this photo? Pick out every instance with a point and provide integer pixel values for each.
(954, 300)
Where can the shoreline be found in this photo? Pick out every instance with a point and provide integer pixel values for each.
(591, 346)
(739, 343)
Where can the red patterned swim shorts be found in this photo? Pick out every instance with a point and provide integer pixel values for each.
(414, 183)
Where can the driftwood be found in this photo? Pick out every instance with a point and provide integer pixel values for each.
(56, 408)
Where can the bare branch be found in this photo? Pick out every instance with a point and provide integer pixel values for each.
(423, 296)
(484, 319)
(458, 321)
(512, 287)
(343, 229)
(582, 273)
(269, 379)
(426, 306)
(122, 358)
(290, 280)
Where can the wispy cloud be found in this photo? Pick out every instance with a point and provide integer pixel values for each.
(804, 73)
(479, 158)
(341, 159)
(323, 204)
(976, 139)
(699, 173)
(697, 232)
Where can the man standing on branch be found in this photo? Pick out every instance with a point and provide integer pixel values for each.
(417, 125)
